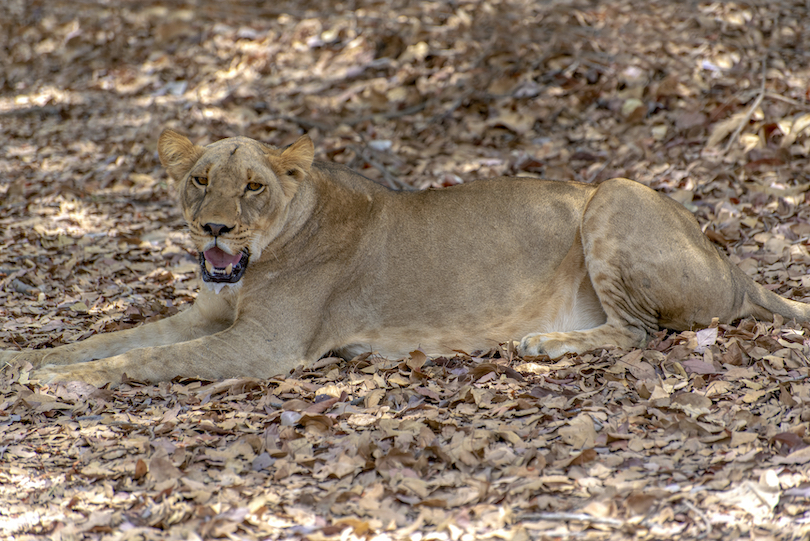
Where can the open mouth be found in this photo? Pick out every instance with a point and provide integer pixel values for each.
(220, 266)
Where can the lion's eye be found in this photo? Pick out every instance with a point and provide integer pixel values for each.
(254, 186)
(200, 181)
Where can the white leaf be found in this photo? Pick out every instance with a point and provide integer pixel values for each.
(705, 338)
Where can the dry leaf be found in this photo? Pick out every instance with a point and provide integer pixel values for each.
(667, 441)
(579, 433)
(693, 404)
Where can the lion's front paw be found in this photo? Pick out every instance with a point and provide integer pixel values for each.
(65, 374)
(7, 357)
(34, 357)
(41, 357)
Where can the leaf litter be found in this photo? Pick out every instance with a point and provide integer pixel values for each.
(701, 434)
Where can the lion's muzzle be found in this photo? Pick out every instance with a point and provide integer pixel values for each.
(220, 266)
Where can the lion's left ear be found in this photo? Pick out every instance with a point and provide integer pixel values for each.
(296, 160)
(294, 164)
(177, 153)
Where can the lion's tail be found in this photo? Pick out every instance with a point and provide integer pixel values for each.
(762, 303)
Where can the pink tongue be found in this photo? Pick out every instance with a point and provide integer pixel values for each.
(221, 259)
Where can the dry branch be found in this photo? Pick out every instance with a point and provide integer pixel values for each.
(744, 120)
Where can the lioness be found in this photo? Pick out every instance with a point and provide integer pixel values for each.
(302, 257)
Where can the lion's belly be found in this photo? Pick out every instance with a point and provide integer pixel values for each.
(579, 309)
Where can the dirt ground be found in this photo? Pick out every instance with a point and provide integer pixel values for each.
(701, 435)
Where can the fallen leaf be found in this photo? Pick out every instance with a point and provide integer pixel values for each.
(693, 404)
(579, 433)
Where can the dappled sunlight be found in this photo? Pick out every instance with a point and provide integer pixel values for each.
(106, 265)
(46, 95)
(698, 435)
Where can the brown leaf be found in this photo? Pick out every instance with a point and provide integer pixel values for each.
(161, 468)
(639, 503)
(588, 455)
(686, 120)
(316, 421)
(92, 241)
(742, 438)
(801, 456)
(482, 369)
(416, 361)
(579, 433)
(296, 404)
(693, 404)
(140, 469)
(324, 405)
(788, 441)
(424, 391)
(698, 366)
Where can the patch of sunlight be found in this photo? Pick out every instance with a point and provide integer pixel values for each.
(74, 218)
(23, 481)
(47, 95)
(24, 521)
(15, 518)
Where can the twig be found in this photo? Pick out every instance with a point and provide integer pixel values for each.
(305, 122)
(747, 117)
(35, 110)
(308, 123)
(791, 101)
(13, 276)
(412, 110)
(324, 362)
(450, 110)
(596, 173)
(707, 526)
(390, 179)
(22, 287)
(791, 380)
(580, 517)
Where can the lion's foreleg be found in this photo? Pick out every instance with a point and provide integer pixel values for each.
(214, 357)
(205, 317)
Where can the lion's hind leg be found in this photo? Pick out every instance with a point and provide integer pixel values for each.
(626, 320)
(650, 266)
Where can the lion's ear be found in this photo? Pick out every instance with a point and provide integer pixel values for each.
(294, 164)
(177, 153)
(296, 160)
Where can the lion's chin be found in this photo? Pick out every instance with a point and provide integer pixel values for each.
(222, 268)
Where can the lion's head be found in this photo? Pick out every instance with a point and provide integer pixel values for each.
(235, 195)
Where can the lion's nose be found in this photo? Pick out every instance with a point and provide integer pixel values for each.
(216, 229)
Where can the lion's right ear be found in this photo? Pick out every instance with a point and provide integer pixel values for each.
(177, 153)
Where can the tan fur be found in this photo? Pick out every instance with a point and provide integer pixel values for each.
(340, 263)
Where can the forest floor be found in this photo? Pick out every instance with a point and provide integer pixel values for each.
(700, 435)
